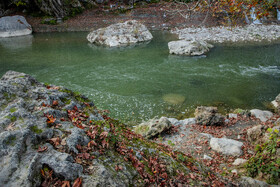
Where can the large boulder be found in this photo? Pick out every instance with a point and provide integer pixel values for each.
(14, 26)
(189, 48)
(153, 127)
(208, 116)
(226, 146)
(262, 115)
(120, 34)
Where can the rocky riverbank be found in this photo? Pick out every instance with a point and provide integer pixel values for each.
(249, 34)
(50, 135)
(234, 146)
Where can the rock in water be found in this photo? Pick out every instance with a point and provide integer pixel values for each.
(226, 146)
(120, 34)
(208, 116)
(153, 127)
(14, 26)
(174, 99)
(189, 48)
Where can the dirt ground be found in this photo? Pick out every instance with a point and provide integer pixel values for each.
(159, 16)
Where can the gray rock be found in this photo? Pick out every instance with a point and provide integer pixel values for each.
(120, 34)
(77, 137)
(61, 163)
(226, 146)
(189, 48)
(14, 26)
(206, 135)
(208, 116)
(256, 133)
(188, 121)
(263, 115)
(220, 34)
(174, 121)
(239, 161)
(249, 182)
(232, 115)
(206, 157)
(153, 127)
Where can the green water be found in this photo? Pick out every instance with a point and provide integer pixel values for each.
(131, 82)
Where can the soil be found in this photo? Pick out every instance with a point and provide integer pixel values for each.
(156, 16)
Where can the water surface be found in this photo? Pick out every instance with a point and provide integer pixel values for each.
(132, 82)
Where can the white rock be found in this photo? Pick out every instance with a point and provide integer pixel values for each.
(174, 121)
(14, 26)
(206, 157)
(234, 171)
(231, 115)
(207, 135)
(120, 34)
(188, 121)
(220, 34)
(189, 48)
(226, 146)
(239, 161)
(275, 103)
(263, 115)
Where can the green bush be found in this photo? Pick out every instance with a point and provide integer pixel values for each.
(265, 162)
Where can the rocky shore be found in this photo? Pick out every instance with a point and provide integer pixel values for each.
(51, 136)
(240, 34)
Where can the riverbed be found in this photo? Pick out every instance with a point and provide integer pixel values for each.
(139, 82)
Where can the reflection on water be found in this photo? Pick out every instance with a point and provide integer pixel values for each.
(142, 81)
(19, 42)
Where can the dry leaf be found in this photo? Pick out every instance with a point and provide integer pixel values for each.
(77, 182)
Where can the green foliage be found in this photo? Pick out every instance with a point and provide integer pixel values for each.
(19, 3)
(36, 130)
(12, 118)
(170, 143)
(12, 110)
(49, 21)
(265, 161)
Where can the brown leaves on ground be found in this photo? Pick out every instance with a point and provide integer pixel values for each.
(49, 180)
(55, 141)
(77, 117)
(42, 149)
(77, 182)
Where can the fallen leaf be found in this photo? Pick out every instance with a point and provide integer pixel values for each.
(65, 184)
(55, 103)
(42, 149)
(77, 182)
(10, 127)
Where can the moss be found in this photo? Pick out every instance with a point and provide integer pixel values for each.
(12, 110)
(36, 130)
(66, 101)
(238, 111)
(12, 141)
(141, 129)
(12, 118)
